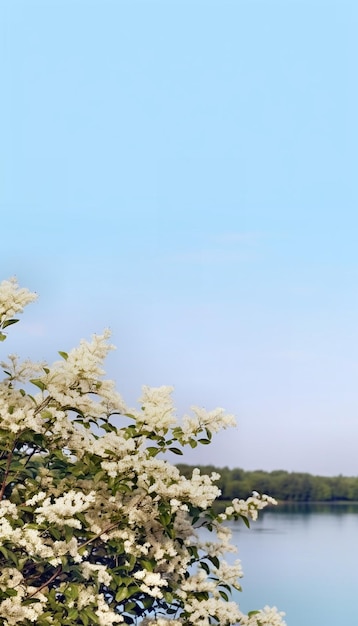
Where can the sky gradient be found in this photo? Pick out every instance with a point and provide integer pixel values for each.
(185, 173)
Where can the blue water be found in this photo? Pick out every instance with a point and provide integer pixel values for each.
(302, 559)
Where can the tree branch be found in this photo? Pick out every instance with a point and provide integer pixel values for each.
(45, 584)
(7, 470)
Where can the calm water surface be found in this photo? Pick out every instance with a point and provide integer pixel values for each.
(302, 559)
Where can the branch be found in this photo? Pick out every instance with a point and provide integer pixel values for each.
(7, 470)
(105, 530)
(45, 584)
(43, 405)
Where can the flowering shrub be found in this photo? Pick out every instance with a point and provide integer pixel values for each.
(96, 526)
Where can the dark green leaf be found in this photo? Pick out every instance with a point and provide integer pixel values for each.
(208, 433)
(205, 567)
(245, 520)
(9, 322)
(224, 595)
(214, 560)
(176, 450)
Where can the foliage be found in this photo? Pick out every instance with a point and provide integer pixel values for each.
(282, 485)
(96, 525)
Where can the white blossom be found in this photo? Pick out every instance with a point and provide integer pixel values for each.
(62, 511)
(100, 572)
(214, 421)
(157, 410)
(268, 616)
(13, 299)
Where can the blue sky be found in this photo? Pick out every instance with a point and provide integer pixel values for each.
(185, 173)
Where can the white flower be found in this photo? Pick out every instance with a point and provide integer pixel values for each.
(251, 506)
(266, 617)
(10, 578)
(61, 511)
(161, 621)
(212, 420)
(13, 299)
(201, 610)
(157, 408)
(100, 572)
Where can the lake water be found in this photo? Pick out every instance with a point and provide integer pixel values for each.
(302, 559)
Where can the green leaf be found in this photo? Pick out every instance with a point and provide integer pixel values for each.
(63, 354)
(205, 567)
(245, 520)
(148, 565)
(208, 434)
(68, 532)
(121, 594)
(131, 561)
(224, 595)
(13, 558)
(153, 451)
(99, 476)
(28, 601)
(38, 382)
(9, 322)
(108, 428)
(165, 518)
(4, 552)
(72, 592)
(176, 450)
(214, 560)
(205, 442)
(132, 590)
(55, 533)
(2, 337)
(84, 618)
(168, 597)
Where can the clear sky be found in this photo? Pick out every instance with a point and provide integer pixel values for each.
(185, 172)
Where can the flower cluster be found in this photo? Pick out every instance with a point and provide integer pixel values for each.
(248, 508)
(213, 420)
(97, 526)
(13, 299)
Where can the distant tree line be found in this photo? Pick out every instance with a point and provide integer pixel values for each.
(282, 485)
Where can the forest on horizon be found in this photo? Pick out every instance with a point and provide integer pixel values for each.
(280, 484)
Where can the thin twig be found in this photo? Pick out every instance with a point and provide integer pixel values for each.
(43, 405)
(7, 471)
(98, 535)
(57, 572)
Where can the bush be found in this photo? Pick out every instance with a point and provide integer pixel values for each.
(96, 525)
